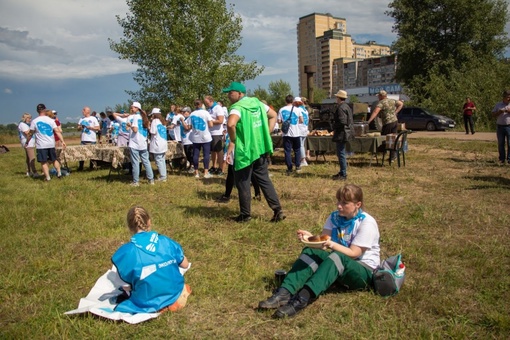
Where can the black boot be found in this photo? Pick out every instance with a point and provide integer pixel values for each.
(280, 298)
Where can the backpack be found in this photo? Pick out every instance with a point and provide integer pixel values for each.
(389, 276)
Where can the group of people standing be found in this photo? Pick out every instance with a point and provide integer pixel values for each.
(38, 137)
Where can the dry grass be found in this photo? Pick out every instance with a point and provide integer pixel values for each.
(447, 211)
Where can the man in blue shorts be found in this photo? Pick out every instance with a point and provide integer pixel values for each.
(44, 128)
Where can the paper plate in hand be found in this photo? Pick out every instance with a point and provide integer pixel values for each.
(317, 245)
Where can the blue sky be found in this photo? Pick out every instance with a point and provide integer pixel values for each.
(56, 52)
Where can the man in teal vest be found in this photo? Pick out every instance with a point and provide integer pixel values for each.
(249, 123)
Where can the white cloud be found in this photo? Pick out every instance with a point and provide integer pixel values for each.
(7, 91)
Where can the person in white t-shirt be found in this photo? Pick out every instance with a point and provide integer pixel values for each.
(89, 126)
(201, 122)
(169, 118)
(122, 119)
(23, 130)
(159, 144)
(303, 129)
(176, 124)
(43, 129)
(291, 138)
(352, 237)
(218, 116)
(138, 124)
(187, 144)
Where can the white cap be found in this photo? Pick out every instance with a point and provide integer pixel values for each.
(137, 105)
(155, 110)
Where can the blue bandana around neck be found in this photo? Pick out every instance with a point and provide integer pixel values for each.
(343, 227)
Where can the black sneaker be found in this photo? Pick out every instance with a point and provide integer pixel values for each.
(257, 198)
(288, 172)
(280, 298)
(223, 199)
(295, 305)
(242, 218)
(339, 177)
(212, 171)
(278, 216)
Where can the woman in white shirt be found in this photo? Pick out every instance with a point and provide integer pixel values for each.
(348, 255)
(158, 145)
(23, 129)
(138, 123)
(201, 121)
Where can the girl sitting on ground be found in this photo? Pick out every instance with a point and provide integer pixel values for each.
(349, 254)
(150, 264)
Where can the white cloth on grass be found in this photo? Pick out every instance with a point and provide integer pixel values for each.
(101, 299)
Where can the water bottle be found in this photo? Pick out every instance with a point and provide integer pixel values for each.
(400, 270)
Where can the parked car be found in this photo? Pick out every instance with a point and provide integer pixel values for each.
(417, 118)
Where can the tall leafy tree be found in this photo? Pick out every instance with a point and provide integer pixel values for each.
(278, 90)
(443, 35)
(184, 49)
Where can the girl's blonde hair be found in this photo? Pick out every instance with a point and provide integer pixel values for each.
(350, 193)
(25, 116)
(138, 219)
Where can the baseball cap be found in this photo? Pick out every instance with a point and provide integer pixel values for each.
(137, 105)
(41, 107)
(155, 110)
(235, 86)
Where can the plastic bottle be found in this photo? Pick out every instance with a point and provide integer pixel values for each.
(400, 270)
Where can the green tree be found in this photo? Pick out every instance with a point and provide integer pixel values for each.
(184, 49)
(120, 107)
(440, 36)
(319, 94)
(278, 90)
(260, 93)
(480, 80)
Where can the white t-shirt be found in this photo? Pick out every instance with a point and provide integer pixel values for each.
(303, 127)
(137, 140)
(185, 134)
(365, 234)
(200, 129)
(43, 127)
(216, 111)
(159, 142)
(177, 128)
(283, 115)
(24, 127)
(86, 134)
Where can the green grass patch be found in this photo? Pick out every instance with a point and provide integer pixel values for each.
(447, 211)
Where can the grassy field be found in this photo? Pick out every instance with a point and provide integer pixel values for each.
(447, 211)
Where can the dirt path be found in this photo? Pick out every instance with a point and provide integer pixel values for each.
(485, 136)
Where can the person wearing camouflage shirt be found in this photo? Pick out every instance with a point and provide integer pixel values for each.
(388, 109)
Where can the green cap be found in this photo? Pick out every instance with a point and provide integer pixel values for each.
(235, 86)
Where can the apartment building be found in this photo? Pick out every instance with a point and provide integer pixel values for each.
(323, 42)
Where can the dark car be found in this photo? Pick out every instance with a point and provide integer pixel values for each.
(417, 118)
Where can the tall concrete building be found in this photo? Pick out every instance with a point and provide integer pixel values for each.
(323, 43)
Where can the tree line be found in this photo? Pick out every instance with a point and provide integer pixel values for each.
(448, 50)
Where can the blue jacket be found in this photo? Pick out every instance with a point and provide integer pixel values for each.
(150, 264)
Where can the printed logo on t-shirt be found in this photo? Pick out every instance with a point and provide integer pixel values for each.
(293, 119)
(86, 123)
(123, 127)
(198, 123)
(162, 131)
(141, 129)
(44, 128)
